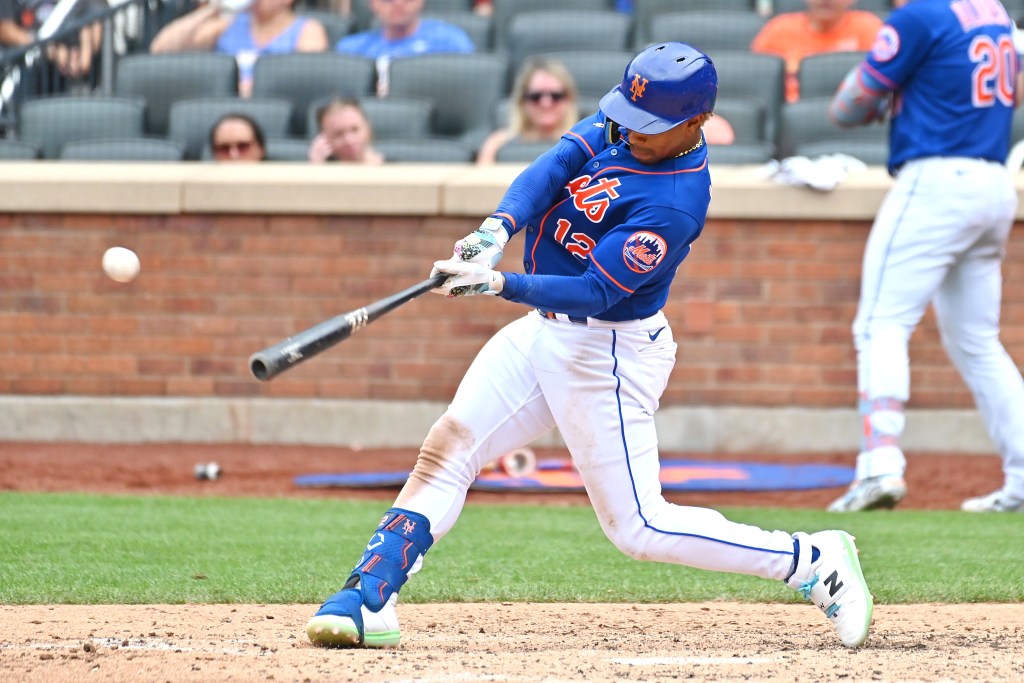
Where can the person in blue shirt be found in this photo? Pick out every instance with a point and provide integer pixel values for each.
(401, 31)
(607, 214)
(948, 73)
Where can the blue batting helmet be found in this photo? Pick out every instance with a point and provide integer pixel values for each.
(664, 85)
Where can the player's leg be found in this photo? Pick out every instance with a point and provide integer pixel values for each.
(913, 243)
(967, 307)
(498, 407)
(603, 387)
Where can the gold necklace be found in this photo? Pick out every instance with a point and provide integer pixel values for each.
(700, 141)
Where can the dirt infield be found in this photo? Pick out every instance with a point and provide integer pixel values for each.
(474, 642)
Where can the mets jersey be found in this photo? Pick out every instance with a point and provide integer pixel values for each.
(946, 105)
(625, 225)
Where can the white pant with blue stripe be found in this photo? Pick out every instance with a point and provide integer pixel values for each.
(600, 384)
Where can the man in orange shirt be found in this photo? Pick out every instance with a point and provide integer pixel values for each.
(826, 26)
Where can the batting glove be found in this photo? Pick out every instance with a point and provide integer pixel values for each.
(484, 245)
(467, 278)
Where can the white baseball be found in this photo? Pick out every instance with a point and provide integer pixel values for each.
(120, 264)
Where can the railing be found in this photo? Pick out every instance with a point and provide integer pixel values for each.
(76, 49)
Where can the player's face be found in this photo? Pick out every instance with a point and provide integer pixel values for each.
(650, 149)
(348, 133)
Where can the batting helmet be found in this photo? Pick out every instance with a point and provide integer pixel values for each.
(664, 85)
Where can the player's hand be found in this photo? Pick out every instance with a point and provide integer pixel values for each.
(484, 245)
(467, 278)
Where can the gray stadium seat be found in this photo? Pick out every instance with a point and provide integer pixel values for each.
(17, 150)
(287, 149)
(747, 118)
(520, 152)
(745, 75)
(191, 120)
(425, 151)
(707, 30)
(49, 123)
(549, 31)
(305, 77)
(392, 118)
(873, 153)
(820, 75)
(645, 10)
(163, 79)
(123, 149)
(478, 28)
(740, 153)
(464, 89)
(807, 121)
(505, 12)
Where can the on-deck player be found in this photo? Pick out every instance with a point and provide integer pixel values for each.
(608, 215)
(940, 234)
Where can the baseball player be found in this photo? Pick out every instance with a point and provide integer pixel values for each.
(950, 70)
(608, 214)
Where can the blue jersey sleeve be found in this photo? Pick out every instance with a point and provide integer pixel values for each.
(900, 46)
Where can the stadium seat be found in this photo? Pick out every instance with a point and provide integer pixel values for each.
(191, 120)
(505, 12)
(645, 10)
(163, 79)
(707, 30)
(425, 151)
(391, 117)
(17, 150)
(287, 149)
(873, 153)
(740, 153)
(123, 149)
(520, 152)
(820, 75)
(463, 87)
(49, 123)
(746, 117)
(548, 31)
(478, 28)
(304, 77)
(746, 75)
(807, 121)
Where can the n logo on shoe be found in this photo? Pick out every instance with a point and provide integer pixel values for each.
(833, 583)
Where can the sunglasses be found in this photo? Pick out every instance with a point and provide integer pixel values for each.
(536, 97)
(224, 148)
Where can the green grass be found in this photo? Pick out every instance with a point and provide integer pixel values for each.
(83, 549)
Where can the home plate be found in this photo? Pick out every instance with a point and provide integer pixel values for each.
(649, 661)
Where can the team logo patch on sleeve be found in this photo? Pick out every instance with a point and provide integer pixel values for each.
(643, 251)
(887, 44)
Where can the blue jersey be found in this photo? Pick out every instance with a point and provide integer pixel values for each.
(953, 67)
(625, 225)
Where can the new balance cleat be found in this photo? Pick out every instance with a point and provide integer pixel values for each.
(343, 621)
(872, 493)
(835, 583)
(997, 501)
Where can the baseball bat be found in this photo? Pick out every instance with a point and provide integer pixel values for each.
(273, 360)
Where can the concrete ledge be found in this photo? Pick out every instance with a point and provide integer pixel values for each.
(383, 424)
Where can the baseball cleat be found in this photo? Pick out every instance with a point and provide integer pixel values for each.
(343, 621)
(835, 583)
(871, 493)
(997, 501)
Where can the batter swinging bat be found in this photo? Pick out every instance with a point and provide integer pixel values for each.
(274, 360)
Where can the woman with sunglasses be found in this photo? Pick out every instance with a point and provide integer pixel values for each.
(543, 108)
(236, 138)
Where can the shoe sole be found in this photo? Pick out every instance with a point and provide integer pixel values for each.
(852, 556)
(328, 630)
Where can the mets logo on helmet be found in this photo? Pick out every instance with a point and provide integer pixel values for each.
(637, 87)
(643, 251)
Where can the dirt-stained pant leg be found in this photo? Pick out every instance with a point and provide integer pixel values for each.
(603, 386)
(498, 407)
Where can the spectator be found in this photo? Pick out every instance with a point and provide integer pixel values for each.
(244, 30)
(236, 138)
(20, 21)
(402, 32)
(826, 26)
(345, 135)
(544, 107)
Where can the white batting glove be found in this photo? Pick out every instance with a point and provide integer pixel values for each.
(484, 245)
(467, 278)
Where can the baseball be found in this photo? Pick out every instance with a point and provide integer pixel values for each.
(120, 264)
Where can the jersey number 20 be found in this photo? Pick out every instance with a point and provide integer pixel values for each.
(995, 71)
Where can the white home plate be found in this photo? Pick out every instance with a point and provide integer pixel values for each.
(649, 661)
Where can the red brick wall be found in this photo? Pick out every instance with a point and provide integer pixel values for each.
(762, 310)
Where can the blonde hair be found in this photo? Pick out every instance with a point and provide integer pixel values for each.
(517, 120)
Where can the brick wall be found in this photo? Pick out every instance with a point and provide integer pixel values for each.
(762, 310)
